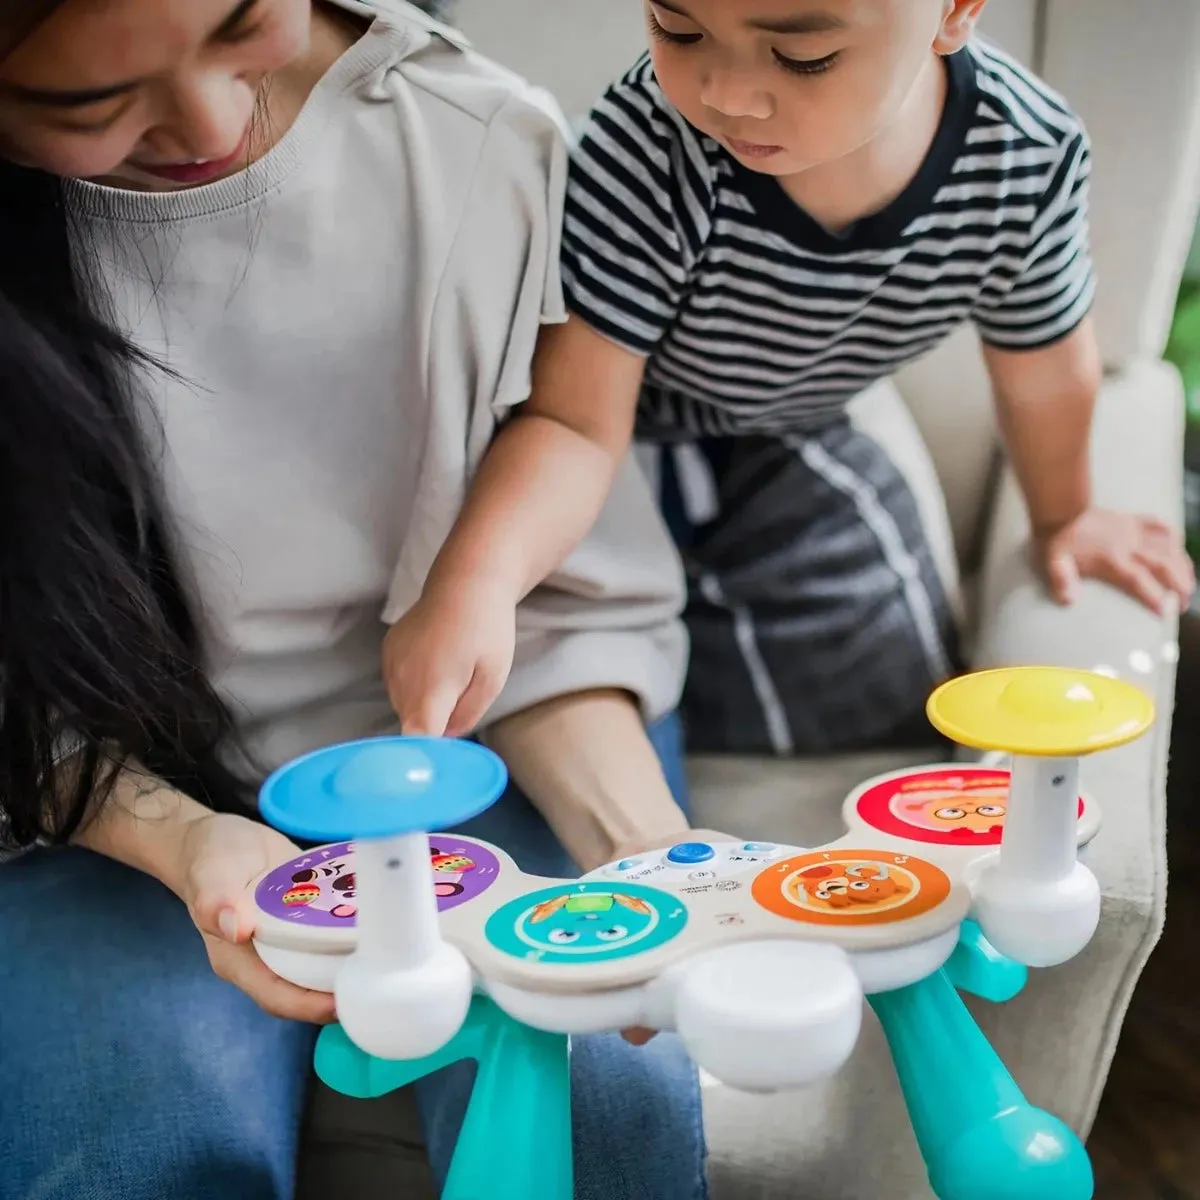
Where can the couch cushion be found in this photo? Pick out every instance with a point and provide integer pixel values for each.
(796, 801)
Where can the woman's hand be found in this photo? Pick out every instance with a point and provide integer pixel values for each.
(221, 855)
(446, 660)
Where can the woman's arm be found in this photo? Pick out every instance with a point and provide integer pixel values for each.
(208, 860)
(144, 824)
(587, 764)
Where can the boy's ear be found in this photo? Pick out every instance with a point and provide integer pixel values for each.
(958, 24)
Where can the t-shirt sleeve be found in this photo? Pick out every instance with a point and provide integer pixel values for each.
(610, 616)
(635, 212)
(500, 283)
(1055, 285)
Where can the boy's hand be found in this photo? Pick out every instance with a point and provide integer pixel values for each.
(1139, 555)
(221, 854)
(446, 660)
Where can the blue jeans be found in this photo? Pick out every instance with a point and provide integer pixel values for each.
(130, 1072)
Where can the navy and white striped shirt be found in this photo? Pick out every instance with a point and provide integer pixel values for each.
(755, 319)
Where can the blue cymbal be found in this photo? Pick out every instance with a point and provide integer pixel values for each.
(382, 787)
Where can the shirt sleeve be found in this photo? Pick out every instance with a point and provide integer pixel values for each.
(497, 285)
(610, 617)
(1054, 287)
(637, 209)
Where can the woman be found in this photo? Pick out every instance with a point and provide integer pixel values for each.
(270, 274)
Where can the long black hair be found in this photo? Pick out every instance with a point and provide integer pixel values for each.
(99, 649)
(99, 646)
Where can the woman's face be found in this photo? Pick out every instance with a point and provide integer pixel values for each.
(157, 94)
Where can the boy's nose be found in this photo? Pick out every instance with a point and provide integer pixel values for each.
(735, 93)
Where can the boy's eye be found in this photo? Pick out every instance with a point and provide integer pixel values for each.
(659, 31)
(806, 66)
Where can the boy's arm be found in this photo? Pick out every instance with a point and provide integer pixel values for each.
(613, 248)
(587, 764)
(1045, 400)
(536, 495)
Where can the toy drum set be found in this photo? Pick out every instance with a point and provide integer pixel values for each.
(948, 878)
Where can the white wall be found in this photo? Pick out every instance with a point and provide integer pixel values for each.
(573, 47)
(1013, 23)
(577, 47)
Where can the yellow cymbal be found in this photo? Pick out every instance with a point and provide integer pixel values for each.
(1048, 712)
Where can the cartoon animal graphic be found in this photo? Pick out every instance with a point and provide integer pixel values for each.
(448, 872)
(960, 813)
(324, 888)
(589, 922)
(847, 886)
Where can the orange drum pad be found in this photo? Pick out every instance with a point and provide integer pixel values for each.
(851, 887)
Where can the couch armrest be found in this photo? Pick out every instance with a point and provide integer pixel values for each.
(1137, 463)
(1137, 466)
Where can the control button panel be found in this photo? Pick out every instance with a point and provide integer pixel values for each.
(696, 866)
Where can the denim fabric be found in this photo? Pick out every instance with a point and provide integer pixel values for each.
(130, 1072)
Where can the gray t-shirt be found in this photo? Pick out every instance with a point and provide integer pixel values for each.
(347, 321)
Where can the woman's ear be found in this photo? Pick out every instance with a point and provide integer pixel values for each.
(959, 19)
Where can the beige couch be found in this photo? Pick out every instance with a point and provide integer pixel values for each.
(1134, 73)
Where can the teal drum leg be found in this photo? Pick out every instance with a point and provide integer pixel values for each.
(515, 1142)
(516, 1138)
(978, 968)
(981, 1139)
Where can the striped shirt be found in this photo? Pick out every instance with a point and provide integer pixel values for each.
(756, 320)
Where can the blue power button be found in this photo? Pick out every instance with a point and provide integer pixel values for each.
(688, 854)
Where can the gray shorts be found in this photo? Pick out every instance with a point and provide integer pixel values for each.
(818, 619)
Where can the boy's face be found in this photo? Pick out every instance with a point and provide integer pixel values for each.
(786, 85)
